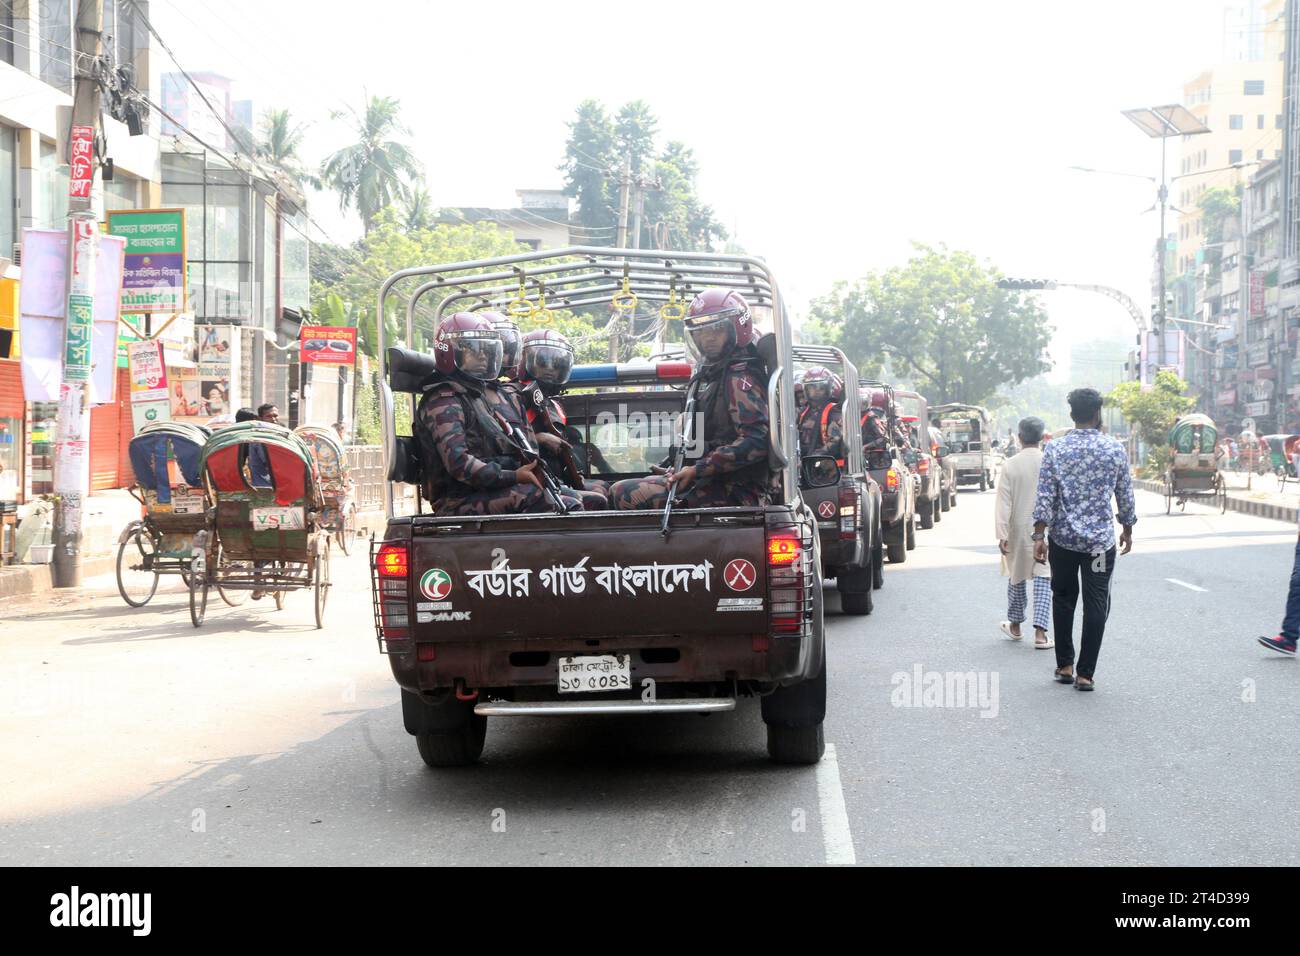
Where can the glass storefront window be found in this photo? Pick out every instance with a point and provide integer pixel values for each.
(121, 192)
(54, 189)
(44, 415)
(296, 264)
(8, 188)
(227, 223)
(11, 450)
(56, 43)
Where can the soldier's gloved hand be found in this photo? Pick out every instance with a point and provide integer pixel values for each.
(659, 470)
(527, 475)
(683, 478)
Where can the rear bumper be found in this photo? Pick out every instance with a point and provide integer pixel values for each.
(585, 708)
(533, 662)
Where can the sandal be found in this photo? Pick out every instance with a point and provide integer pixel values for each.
(1005, 628)
(1047, 642)
(1063, 678)
(1084, 683)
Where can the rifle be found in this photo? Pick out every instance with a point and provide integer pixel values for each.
(688, 429)
(550, 484)
(571, 469)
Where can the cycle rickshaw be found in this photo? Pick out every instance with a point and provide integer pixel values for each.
(165, 459)
(263, 531)
(340, 514)
(1193, 466)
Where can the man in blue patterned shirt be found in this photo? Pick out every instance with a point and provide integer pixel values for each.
(1079, 475)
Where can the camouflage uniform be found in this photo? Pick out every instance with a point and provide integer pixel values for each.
(732, 406)
(873, 434)
(523, 410)
(469, 467)
(814, 439)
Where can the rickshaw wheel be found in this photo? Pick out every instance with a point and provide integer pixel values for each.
(322, 581)
(234, 597)
(136, 587)
(1221, 492)
(1169, 496)
(345, 533)
(198, 597)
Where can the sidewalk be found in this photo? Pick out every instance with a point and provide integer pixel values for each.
(108, 513)
(1263, 500)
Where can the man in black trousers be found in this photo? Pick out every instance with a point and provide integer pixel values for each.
(1079, 475)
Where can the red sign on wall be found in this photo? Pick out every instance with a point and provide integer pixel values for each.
(328, 344)
(81, 162)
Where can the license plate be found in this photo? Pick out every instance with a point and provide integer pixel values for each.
(590, 675)
(273, 519)
(187, 504)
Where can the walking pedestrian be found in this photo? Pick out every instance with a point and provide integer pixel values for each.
(1284, 643)
(1080, 473)
(1013, 523)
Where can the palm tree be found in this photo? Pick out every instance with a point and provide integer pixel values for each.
(281, 140)
(375, 171)
(417, 209)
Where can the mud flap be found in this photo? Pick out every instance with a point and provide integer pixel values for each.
(800, 705)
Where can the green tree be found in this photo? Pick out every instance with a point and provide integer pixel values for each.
(376, 170)
(588, 158)
(280, 145)
(634, 135)
(687, 223)
(1218, 206)
(942, 323)
(1153, 412)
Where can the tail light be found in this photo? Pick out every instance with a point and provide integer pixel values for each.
(789, 577)
(923, 466)
(390, 583)
(848, 511)
(891, 480)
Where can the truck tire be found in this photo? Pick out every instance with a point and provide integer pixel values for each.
(855, 590)
(794, 717)
(984, 481)
(945, 499)
(447, 731)
(938, 508)
(897, 545)
(456, 748)
(911, 534)
(927, 514)
(992, 482)
(878, 563)
(952, 497)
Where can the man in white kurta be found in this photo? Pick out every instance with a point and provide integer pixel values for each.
(1013, 525)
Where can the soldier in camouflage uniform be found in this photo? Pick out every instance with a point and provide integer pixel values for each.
(545, 361)
(821, 423)
(731, 410)
(469, 465)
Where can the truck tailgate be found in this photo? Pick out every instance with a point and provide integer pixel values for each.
(541, 577)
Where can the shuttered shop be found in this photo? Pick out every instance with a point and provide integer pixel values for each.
(110, 434)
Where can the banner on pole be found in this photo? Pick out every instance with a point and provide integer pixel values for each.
(148, 371)
(43, 307)
(81, 162)
(328, 344)
(154, 270)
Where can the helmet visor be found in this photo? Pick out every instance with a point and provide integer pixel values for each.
(478, 353)
(510, 339)
(710, 337)
(548, 362)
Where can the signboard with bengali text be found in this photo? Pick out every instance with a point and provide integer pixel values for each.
(328, 344)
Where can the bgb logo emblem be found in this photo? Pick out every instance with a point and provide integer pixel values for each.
(826, 509)
(435, 584)
(739, 575)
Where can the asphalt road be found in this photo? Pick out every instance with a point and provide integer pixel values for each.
(128, 737)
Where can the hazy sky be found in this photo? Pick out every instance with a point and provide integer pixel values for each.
(829, 135)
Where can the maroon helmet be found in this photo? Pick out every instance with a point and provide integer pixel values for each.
(714, 308)
(510, 339)
(467, 343)
(818, 376)
(545, 356)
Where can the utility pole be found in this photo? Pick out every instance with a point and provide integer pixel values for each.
(1163, 197)
(624, 183)
(72, 435)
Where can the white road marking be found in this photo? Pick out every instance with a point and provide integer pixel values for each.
(1184, 584)
(836, 836)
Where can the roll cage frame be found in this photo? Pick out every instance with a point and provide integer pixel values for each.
(588, 275)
